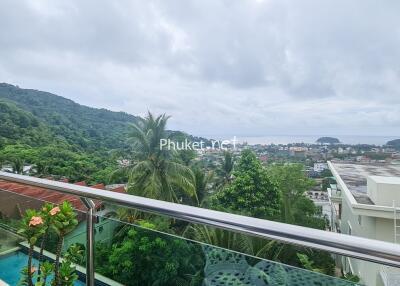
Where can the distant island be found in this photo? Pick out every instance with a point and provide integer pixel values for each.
(328, 140)
(394, 143)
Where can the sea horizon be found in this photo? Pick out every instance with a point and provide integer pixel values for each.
(309, 139)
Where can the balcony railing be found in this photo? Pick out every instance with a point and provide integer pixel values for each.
(390, 276)
(384, 253)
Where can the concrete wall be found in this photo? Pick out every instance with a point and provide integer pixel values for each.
(385, 229)
(365, 270)
(104, 231)
(384, 190)
(368, 227)
(14, 205)
(372, 189)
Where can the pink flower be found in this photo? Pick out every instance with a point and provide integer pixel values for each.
(33, 269)
(55, 211)
(35, 220)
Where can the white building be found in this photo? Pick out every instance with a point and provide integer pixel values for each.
(319, 167)
(362, 205)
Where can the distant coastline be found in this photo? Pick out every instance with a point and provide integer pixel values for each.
(287, 139)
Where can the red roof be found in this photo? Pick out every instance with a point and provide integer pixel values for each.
(43, 194)
(121, 190)
(83, 183)
(99, 186)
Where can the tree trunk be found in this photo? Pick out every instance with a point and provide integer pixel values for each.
(44, 238)
(287, 208)
(30, 254)
(57, 262)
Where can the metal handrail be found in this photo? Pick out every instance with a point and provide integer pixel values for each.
(357, 247)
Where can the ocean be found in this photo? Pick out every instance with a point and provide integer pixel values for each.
(286, 139)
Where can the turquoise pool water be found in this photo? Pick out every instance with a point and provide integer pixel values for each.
(11, 265)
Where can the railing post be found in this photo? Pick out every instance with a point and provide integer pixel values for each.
(89, 241)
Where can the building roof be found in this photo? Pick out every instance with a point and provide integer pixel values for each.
(121, 190)
(46, 195)
(355, 177)
(386, 180)
(99, 186)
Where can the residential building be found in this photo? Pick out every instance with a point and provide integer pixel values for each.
(319, 167)
(364, 203)
(298, 151)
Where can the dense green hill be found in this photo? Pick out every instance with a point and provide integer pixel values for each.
(60, 137)
(394, 143)
(19, 126)
(328, 140)
(89, 128)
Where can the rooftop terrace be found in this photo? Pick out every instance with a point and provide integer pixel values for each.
(355, 177)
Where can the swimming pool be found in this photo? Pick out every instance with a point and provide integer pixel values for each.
(11, 265)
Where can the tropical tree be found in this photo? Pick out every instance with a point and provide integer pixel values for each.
(64, 222)
(251, 192)
(292, 184)
(67, 274)
(32, 228)
(202, 182)
(75, 253)
(35, 225)
(151, 258)
(225, 172)
(156, 172)
(17, 165)
(17, 155)
(308, 264)
(216, 236)
(47, 214)
(46, 268)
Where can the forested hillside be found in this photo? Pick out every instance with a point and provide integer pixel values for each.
(394, 144)
(19, 126)
(27, 110)
(60, 137)
(55, 137)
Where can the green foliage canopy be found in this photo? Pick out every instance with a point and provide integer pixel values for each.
(251, 192)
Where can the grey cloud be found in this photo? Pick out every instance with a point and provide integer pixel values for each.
(234, 67)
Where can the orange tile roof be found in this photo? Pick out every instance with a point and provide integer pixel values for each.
(99, 186)
(43, 194)
(121, 190)
(83, 183)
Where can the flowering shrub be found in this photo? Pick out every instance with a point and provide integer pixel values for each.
(54, 211)
(35, 225)
(35, 220)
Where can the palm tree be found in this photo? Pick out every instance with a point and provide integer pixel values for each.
(250, 245)
(156, 172)
(202, 181)
(215, 236)
(226, 169)
(292, 184)
(17, 165)
(41, 168)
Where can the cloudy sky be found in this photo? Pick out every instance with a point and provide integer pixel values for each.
(219, 67)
